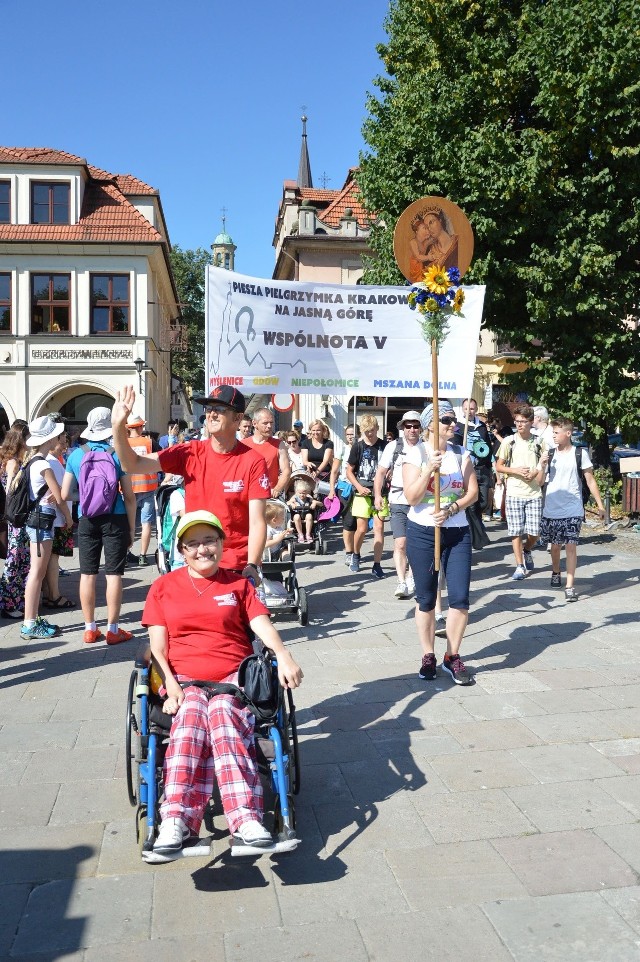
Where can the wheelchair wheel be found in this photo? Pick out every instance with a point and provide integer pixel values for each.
(132, 729)
(303, 607)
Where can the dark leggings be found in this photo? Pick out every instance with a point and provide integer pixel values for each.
(455, 560)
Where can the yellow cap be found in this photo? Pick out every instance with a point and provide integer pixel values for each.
(198, 517)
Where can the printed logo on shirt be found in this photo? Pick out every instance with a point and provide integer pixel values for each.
(264, 482)
(226, 601)
(233, 487)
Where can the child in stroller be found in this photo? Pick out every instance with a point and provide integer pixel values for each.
(278, 530)
(303, 505)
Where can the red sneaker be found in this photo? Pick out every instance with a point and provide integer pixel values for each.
(90, 637)
(117, 637)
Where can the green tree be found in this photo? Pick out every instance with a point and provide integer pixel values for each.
(189, 272)
(527, 114)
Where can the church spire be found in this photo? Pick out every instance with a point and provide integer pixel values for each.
(304, 168)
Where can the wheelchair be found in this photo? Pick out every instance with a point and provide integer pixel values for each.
(147, 730)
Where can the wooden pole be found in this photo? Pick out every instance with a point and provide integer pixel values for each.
(436, 431)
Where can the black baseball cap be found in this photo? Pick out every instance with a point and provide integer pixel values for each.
(224, 394)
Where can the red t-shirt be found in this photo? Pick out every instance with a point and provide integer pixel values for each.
(270, 451)
(222, 483)
(208, 632)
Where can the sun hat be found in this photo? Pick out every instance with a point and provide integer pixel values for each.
(409, 416)
(98, 425)
(43, 429)
(444, 408)
(135, 421)
(331, 508)
(224, 394)
(198, 517)
(303, 475)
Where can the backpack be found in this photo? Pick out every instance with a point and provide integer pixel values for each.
(584, 487)
(19, 503)
(386, 484)
(169, 527)
(97, 482)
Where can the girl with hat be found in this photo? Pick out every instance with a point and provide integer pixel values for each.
(458, 491)
(43, 434)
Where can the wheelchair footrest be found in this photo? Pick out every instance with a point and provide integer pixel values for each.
(192, 848)
(281, 843)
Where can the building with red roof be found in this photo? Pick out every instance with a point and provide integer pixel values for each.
(86, 288)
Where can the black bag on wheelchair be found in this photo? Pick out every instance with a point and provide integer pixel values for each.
(256, 678)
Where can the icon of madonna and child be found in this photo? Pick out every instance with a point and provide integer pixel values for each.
(434, 242)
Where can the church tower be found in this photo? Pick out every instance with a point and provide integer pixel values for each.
(223, 248)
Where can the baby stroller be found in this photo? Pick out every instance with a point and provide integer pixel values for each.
(165, 526)
(283, 594)
(319, 490)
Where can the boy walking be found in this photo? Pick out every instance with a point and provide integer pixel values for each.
(563, 511)
(519, 459)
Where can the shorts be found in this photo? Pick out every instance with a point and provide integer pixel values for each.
(560, 530)
(523, 516)
(399, 514)
(146, 505)
(109, 531)
(363, 507)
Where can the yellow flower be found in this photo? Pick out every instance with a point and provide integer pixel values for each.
(458, 299)
(437, 279)
(431, 305)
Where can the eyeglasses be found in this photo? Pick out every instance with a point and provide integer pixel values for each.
(208, 543)
(522, 422)
(411, 425)
(447, 420)
(218, 409)
(292, 440)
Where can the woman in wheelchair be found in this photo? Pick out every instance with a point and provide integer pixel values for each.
(199, 620)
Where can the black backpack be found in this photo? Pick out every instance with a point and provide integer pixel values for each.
(584, 487)
(19, 503)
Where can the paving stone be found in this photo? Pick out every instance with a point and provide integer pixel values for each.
(503, 705)
(95, 800)
(224, 893)
(579, 927)
(565, 700)
(320, 890)
(38, 854)
(77, 764)
(465, 816)
(455, 874)
(489, 735)
(474, 770)
(625, 789)
(374, 827)
(626, 902)
(625, 840)
(357, 718)
(565, 763)
(85, 709)
(622, 696)
(430, 708)
(559, 862)
(194, 948)
(19, 808)
(29, 738)
(571, 727)
(624, 721)
(29, 710)
(14, 899)
(12, 766)
(390, 937)
(568, 805)
(64, 916)
(315, 942)
(508, 681)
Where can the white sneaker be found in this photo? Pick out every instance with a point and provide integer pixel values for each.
(411, 585)
(401, 590)
(441, 624)
(168, 845)
(252, 838)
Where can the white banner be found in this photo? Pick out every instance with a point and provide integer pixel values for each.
(272, 337)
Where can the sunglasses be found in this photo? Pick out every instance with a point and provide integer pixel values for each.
(218, 409)
(447, 420)
(412, 425)
(292, 440)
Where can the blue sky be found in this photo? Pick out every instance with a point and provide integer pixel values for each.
(199, 98)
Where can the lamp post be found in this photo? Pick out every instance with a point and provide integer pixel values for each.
(139, 366)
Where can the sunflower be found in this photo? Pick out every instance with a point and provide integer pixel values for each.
(437, 279)
(458, 299)
(432, 305)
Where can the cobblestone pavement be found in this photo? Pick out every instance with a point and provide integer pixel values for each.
(495, 822)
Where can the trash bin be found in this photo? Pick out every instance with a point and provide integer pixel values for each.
(631, 493)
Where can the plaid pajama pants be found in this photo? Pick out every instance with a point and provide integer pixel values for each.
(212, 737)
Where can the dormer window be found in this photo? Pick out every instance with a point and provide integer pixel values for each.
(5, 202)
(50, 203)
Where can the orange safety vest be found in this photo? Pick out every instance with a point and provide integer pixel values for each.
(142, 483)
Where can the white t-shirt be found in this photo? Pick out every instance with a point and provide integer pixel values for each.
(36, 480)
(58, 472)
(341, 454)
(563, 494)
(451, 486)
(396, 495)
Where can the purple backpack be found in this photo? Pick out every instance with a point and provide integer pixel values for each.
(97, 482)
